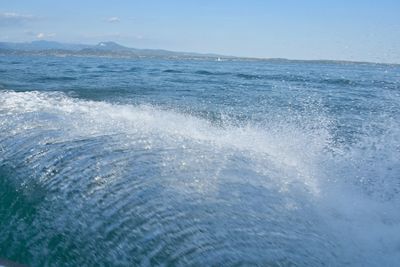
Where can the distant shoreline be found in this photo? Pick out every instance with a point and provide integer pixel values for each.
(61, 54)
(114, 50)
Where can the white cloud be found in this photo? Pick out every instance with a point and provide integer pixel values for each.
(12, 15)
(42, 35)
(15, 19)
(113, 19)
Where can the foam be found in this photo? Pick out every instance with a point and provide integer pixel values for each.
(354, 189)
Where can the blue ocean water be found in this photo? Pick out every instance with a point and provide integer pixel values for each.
(197, 163)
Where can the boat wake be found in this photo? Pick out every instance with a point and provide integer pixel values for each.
(124, 184)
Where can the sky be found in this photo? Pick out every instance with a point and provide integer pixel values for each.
(358, 30)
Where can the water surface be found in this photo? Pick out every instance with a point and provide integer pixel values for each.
(150, 162)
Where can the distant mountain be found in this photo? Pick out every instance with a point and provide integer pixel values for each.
(104, 49)
(111, 46)
(112, 49)
(41, 45)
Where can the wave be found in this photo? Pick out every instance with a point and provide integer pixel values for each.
(248, 76)
(124, 184)
(285, 78)
(211, 73)
(54, 78)
(172, 71)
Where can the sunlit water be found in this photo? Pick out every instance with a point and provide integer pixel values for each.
(129, 162)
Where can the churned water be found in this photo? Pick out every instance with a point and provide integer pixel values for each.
(149, 162)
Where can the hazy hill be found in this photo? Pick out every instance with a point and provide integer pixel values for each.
(107, 49)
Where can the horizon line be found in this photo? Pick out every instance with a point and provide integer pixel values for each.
(209, 53)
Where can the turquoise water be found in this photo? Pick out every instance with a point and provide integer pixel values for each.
(146, 162)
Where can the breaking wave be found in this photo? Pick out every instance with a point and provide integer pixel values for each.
(123, 184)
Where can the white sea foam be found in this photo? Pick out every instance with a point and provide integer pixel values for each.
(354, 189)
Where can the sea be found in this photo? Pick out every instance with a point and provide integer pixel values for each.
(146, 162)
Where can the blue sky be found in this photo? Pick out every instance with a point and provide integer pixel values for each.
(310, 29)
